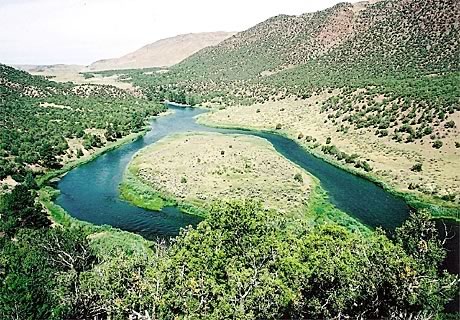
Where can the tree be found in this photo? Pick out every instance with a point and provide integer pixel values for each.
(19, 210)
(298, 177)
(26, 280)
(109, 133)
(419, 238)
(48, 154)
(437, 144)
(30, 182)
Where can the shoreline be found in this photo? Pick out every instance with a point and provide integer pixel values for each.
(412, 200)
(176, 104)
(190, 208)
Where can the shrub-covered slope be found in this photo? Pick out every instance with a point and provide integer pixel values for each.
(44, 123)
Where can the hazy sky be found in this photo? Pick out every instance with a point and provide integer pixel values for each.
(82, 31)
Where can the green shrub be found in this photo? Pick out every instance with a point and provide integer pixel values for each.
(437, 144)
(416, 167)
(298, 177)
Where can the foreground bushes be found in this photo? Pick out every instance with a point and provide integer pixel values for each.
(242, 262)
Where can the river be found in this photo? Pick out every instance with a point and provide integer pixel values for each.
(90, 192)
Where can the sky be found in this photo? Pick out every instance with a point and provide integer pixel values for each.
(83, 31)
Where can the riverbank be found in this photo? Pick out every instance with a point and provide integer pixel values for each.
(106, 237)
(319, 209)
(47, 194)
(177, 104)
(239, 119)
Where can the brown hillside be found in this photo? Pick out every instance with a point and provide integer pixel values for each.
(163, 53)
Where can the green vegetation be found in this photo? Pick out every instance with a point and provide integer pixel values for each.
(437, 144)
(417, 167)
(398, 74)
(139, 194)
(298, 177)
(241, 262)
(392, 68)
(45, 123)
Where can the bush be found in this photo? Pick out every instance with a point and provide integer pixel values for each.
(278, 126)
(352, 158)
(363, 165)
(437, 144)
(417, 167)
(449, 124)
(298, 177)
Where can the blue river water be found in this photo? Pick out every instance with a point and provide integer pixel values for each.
(90, 192)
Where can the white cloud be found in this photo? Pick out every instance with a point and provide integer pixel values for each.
(82, 31)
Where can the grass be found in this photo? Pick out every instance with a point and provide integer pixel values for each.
(141, 195)
(133, 190)
(202, 167)
(320, 210)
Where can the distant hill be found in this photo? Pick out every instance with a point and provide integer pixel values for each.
(49, 69)
(163, 53)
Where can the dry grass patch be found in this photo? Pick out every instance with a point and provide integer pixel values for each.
(201, 167)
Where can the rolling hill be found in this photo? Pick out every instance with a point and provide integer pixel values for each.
(163, 53)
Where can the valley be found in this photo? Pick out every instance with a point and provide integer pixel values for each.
(307, 167)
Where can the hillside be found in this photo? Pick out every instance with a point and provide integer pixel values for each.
(49, 69)
(346, 43)
(162, 53)
(45, 124)
(372, 87)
